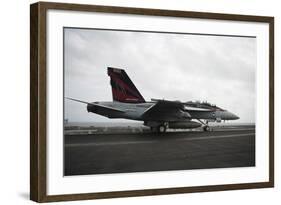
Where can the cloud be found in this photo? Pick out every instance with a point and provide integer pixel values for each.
(219, 69)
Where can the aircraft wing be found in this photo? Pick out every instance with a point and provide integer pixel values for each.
(164, 110)
(98, 105)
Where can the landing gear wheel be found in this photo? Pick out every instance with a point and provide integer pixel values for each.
(162, 129)
(206, 128)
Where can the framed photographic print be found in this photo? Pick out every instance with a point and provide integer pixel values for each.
(133, 102)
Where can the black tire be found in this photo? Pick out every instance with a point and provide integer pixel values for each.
(162, 129)
(206, 128)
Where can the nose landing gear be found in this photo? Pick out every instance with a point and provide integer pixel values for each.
(206, 127)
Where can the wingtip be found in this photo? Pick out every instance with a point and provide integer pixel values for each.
(76, 100)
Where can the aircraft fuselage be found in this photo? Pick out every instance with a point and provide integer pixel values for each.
(135, 111)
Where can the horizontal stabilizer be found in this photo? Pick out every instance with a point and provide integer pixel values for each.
(96, 104)
(106, 107)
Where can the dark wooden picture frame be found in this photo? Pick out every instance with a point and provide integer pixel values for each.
(38, 101)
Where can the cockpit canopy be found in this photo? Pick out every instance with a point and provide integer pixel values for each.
(203, 104)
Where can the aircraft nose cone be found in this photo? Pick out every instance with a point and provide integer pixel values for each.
(231, 116)
(235, 117)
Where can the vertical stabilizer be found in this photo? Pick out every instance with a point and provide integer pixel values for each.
(123, 89)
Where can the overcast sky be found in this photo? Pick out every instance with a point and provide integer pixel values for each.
(217, 69)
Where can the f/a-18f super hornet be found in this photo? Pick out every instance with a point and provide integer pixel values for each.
(157, 114)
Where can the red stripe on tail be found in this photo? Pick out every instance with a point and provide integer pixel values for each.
(123, 89)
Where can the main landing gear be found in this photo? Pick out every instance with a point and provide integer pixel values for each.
(159, 129)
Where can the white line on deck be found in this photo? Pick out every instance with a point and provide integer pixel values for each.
(155, 141)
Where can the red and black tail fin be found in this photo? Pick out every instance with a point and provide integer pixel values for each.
(123, 89)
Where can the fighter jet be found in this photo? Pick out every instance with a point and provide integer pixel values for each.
(158, 114)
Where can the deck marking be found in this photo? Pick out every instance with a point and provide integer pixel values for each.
(155, 141)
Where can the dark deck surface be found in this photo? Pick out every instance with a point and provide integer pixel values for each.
(119, 153)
